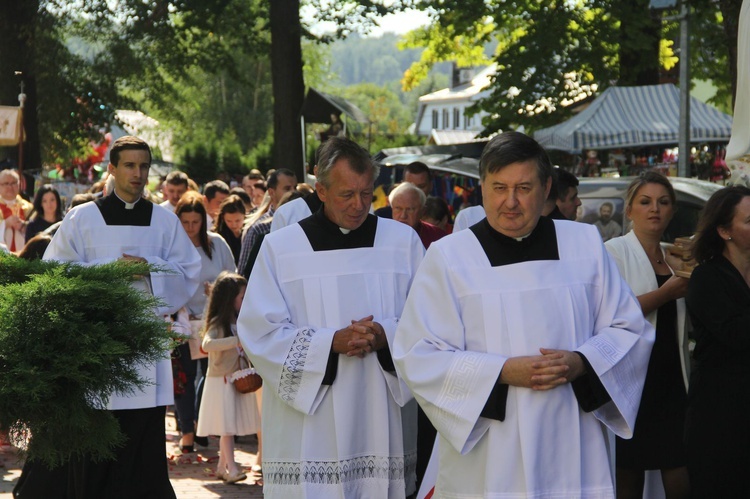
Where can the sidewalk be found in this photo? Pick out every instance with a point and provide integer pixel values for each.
(192, 475)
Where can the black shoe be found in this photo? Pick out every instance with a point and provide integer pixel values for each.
(202, 441)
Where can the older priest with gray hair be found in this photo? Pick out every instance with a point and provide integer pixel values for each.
(521, 342)
(318, 322)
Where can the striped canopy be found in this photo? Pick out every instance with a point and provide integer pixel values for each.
(635, 117)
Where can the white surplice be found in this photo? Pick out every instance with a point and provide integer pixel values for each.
(468, 217)
(84, 237)
(464, 318)
(344, 439)
(290, 213)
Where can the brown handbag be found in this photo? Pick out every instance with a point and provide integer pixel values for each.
(246, 380)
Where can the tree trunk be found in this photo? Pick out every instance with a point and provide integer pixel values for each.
(640, 32)
(18, 24)
(288, 85)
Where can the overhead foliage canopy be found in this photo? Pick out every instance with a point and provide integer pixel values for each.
(204, 66)
(551, 54)
(81, 60)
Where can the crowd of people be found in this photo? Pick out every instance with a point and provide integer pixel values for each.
(404, 354)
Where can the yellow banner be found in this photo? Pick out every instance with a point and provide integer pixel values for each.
(10, 125)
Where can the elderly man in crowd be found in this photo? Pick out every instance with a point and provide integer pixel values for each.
(14, 211)
(318, 322)
(407, 202)
(520, 340)
(416, 173)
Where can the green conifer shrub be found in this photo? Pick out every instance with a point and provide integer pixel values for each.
(70, 335)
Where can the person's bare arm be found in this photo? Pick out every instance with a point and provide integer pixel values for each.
(675, 287)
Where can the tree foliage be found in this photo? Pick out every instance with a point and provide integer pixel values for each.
(137, 54)
(551, 54)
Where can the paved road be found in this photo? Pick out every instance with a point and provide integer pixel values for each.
(192, 475)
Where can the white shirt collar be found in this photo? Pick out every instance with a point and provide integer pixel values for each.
(128, 206)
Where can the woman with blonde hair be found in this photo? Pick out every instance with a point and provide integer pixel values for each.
(657, 442)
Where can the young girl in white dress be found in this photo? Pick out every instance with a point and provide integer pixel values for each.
(224, 411)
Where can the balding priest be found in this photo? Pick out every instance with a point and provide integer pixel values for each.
(318, 322)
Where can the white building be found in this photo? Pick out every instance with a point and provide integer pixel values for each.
(442, 115)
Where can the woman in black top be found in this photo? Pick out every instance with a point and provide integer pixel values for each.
(47, 211)
(716, 429)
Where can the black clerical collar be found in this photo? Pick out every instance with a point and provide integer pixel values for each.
(325, 235)
(540, 244)
(115, 211)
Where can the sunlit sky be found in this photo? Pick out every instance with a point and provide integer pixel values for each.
(392, 23)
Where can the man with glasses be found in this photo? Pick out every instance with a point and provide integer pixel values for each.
(14, 211)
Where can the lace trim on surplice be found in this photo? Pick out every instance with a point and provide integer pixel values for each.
(334, 472)
(294, 366)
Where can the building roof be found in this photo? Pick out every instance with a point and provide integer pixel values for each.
(462, 92)
(446, 137)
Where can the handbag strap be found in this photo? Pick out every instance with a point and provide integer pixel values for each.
(243, 360)
(241, 351)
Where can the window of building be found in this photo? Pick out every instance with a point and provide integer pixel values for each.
(456, 117)
(446, 119)
(435, 119)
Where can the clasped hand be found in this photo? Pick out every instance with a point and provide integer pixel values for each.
(542, 372)
(14, 222)
(359, 338)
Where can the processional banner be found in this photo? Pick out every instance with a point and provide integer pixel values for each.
(10, 125)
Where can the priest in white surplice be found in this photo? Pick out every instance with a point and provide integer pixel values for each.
(123, 226)
(520, 341)
(318, 322)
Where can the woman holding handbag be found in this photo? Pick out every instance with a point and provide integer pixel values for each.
(224, 411)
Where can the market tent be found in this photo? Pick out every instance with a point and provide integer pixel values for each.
(318, 108)
(635, 117)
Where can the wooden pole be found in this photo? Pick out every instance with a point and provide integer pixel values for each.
(21, 100)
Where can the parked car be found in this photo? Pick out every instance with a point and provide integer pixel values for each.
(692, 195)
